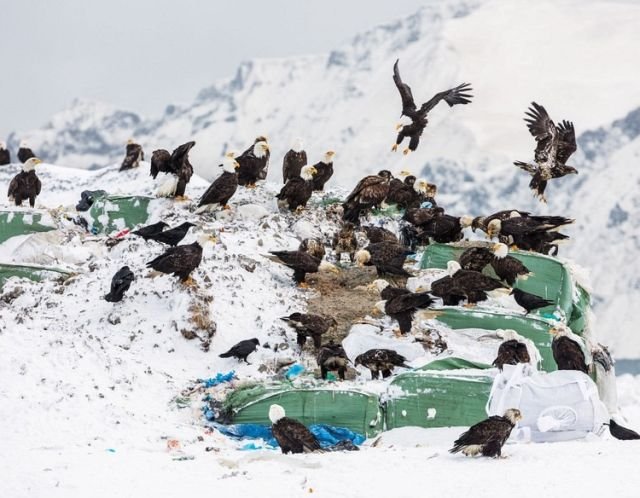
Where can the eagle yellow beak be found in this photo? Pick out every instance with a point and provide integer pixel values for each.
(236, 164)
(37, 161)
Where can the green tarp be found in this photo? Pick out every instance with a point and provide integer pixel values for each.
(115, 213)
(36, 273)
(13, 223)
(355, 410)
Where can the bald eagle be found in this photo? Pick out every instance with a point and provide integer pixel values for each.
(530, 233)
(370, 192)
(315, 247)
(482, 222)
(308, 325)
(133, 156)
(413, 131)
(474, 285)
(178, 167)
(511, 352)
(297, 191)
(120, 284)
(293, 161)
(242, 350)
(324, 170)
(567, 350)
(487, 438)
(554, 146)
(180, 260)
(507, 268)
(401, 304)
(345, 241)
(381, 361)
(5, 155)
(387, 257)
(378, 234)
(254, 163)
(530, 301)
(332, 357)
(301, 263)
(24, 152)
(292, 436)
(475, 258)
(160, 162)
(26, 184)
(223, 187)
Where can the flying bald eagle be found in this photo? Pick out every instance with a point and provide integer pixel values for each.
(133, 155)
(177, 167)
(474, 285)
(293, 161)
(223, 187)
(308, 325)
(298, 190)
(292, 436)
(401, 304)
(120, 284)
(324, 170)
(24, 152)
(567, 350)
(511, 352)
(181, 260)
(387, 257)
(381, 361)
(413, 131)
(554, 146)
(5, 155)
(26, 184)
(487, 438)
(530, 301)
(315, 247)
(345, 241)
(370, 192)
(254, 163)
(332, 357)
(301, 263)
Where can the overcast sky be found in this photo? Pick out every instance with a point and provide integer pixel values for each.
(144, 54)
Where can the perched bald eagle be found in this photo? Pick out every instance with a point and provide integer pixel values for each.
(297, 191)
(530, 301)
(24, 152)
(315, 247)
(401, 304)
(511, 352)
(518, 226)
(223, 187)
(554, 146)
(120, 284)
(177, 167)
(26, 184)
(332, 357)
(567, 350)
(482, 222)
(308, 325)
(293, 161)
(150, 231)
(507, 268)
(475, 258)
(180, 260)
(406, 194)
(420, 217)
(474, 285)
(378, 234)
(487, 438)
(254, 163)
(437, 225)
(5, 155)
(345, 241)
(324, 170)
(292, 436)
(370, 192)
(413, 131)
(160, 162)
(133, 155)
(387, 257)
(301, 263)
(381, 361)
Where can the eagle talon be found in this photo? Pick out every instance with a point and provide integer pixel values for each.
(303, 285)
(406, 151)
(226, 207)
(399, 126)
(394, 148)
(190, 282)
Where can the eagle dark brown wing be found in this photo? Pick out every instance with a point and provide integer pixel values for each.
(221, 190)
(292, 164)
(180, 260)
(568, 354)
(294, 437)
(511, 352)
(492, 431)
(566, 141)
(453, 96)
(475, 258)
(408, 104)
(543, 130)
(160, 162)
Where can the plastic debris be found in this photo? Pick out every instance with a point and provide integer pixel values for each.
(218, 379)
(294, 370)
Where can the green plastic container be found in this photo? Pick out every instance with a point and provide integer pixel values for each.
(115, 213)
(35, 273)
(13, 223)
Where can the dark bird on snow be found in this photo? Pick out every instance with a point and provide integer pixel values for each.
(473, 285)
(400, 304)
(24, 152)
(413, 131)
(150, 231)
(307, 325)
(511, 352)
(292, 436)
(530, 301)
(160, 162)
(554, 146)
(173, 236)
(120, 284)
(87, 198)
(620, 432)
(313, 246)
(298, 190)
(324, 171)
(345, 241)
(332, 357)
(181, 260)
(25, 185)
(378, 234)
(241, 350)
(381, 361)
(223, 187)
(293, 161)
(567, 350)
(487, 438)
(387, 257)
(132, 156)
(254, 163)
(5, 154)
(301, 263)
(177, 167)
(370, 192)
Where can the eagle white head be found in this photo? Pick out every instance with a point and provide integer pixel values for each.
(307, 173)
(513, 415)
(276, 412)
(298, 145)
(421, 186)
(261, 148)
(24, 144)
(380, 284)
(131, 141)
(404, 173)
(466, 221)
(325, 266)
(3, 145)
(493, 228)
(229, 164)
(30, 164)
(328, 157)
(453, 267)
(500, 250)
(363, 257)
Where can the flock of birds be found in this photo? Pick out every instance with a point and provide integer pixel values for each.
(423, 222)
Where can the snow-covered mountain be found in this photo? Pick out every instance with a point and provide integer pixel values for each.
(577, 58)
